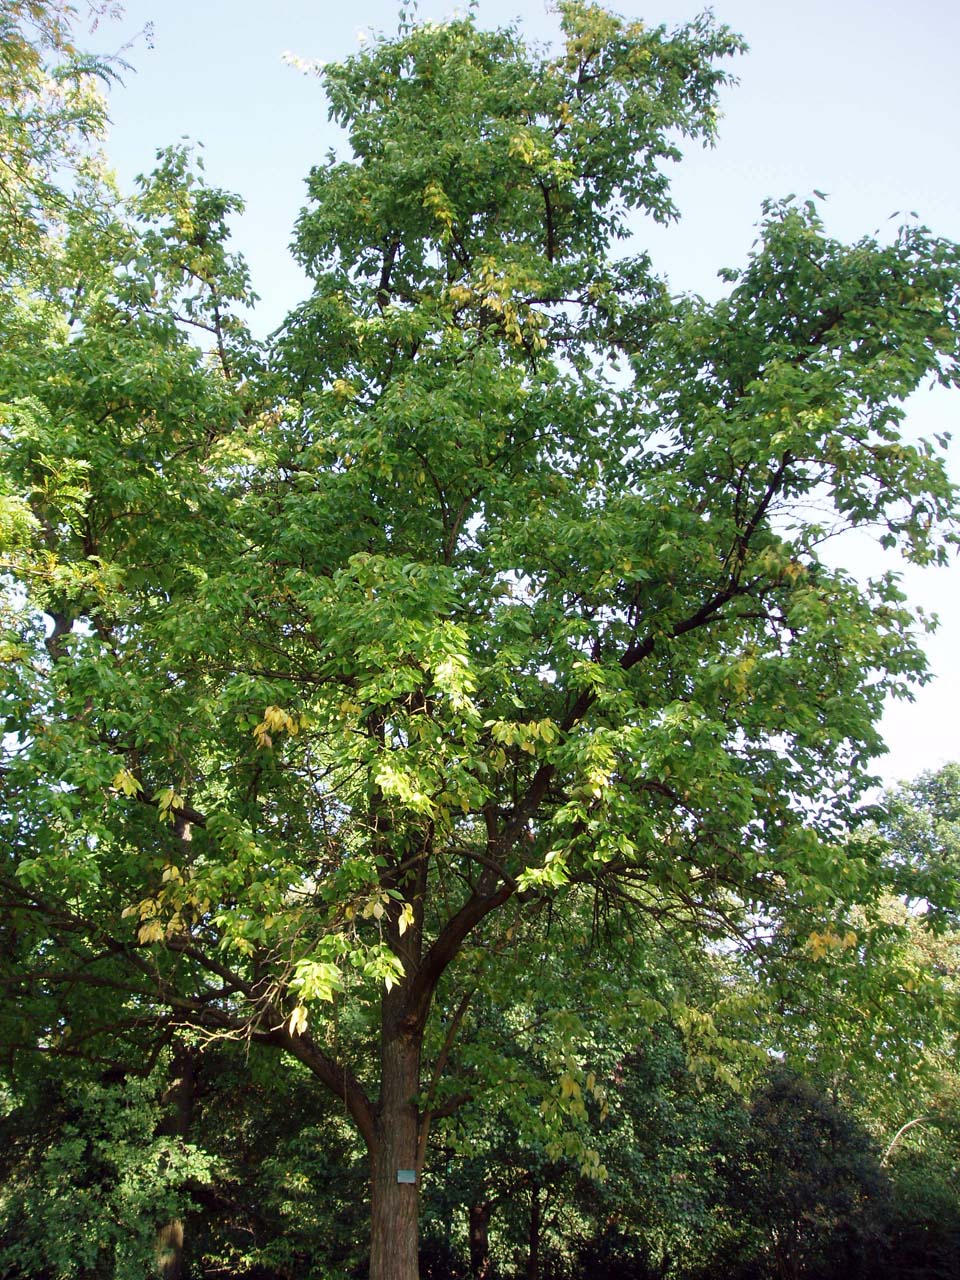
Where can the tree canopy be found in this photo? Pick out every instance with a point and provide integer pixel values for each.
(495, 579)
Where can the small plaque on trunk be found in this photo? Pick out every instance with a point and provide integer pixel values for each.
(406, 1175)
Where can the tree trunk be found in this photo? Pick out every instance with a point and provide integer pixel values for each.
(394, 1242)
(533, 1254)
(170, 1250)
(480, 1241)
(179, 1098)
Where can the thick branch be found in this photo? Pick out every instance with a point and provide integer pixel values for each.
(439, 1066)
(383, 288)
(337, 1078)
(446, 948)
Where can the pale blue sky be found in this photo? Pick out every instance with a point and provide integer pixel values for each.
(857, 98)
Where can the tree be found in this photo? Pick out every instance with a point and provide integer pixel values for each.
(51, 118)
(922, 824)
(870, 1013)
(924, 1222)
(88, 1176)
(599, 1066)
(810, 1182)
(919, 1125)
(498, 575)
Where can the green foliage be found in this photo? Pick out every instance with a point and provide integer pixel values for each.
(669, 1150)
(922, 824)
(809, 1181)
(495, 577)
(87, 1182)
(602, 1076)
(287, 1194)
(51, 120)
(924, 1223)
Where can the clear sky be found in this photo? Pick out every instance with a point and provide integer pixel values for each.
(856, 98)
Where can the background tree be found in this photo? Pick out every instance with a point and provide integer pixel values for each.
(922, 824)
(923, 1225)
(810, 1183)
(88, 1176)
(918, 1125)
(51, 122)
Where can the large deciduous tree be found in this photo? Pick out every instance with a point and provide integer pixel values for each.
(500, 573)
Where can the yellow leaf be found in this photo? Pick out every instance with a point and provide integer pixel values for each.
(818, 945)
(152, 931)
(436, 200)
(167, 800)
(275, 720)
(126, 783)
(297, 1022)
(569, 1087)
(522, 146)
(406, 918)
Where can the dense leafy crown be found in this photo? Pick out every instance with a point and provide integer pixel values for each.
(499, 572)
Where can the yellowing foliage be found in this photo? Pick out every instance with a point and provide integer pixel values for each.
(275, 720)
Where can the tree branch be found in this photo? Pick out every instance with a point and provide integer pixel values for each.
(337, 1077)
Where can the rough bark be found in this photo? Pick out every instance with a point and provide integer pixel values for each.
(480, 1240)
(170, 1250)
(394, 1240)
(533, 1252)
(179, 1099)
